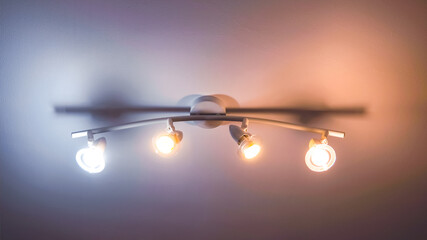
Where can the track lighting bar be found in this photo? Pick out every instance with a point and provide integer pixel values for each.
(323, 132)
(208, 112)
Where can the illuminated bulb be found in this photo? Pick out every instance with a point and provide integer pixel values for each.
(166, 144)
(320, 157)
(249, 148)
(91, 159)
(251, 151)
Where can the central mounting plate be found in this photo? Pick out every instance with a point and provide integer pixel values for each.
(208, 105)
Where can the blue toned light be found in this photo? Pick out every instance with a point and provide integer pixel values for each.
(91, 159)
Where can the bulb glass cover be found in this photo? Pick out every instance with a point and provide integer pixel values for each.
(252, 151)
(320, 157)
(91, 159)
(166, 143)
(249, 148)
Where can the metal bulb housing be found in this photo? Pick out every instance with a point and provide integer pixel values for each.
(249, 146)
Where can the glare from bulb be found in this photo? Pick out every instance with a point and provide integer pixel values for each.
(251, 151)
(165, 144)
(249, 148)
(91, 159)
(320, 157)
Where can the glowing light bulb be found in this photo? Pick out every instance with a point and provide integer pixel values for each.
(320, 157)
(249, 145)
(91, 159)
(165, 144)
(249, 148)
(251, 151)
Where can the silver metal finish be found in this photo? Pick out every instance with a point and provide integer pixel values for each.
(207, 118)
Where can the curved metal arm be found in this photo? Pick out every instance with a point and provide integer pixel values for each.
(324, 132)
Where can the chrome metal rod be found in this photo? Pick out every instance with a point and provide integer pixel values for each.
(322, 131)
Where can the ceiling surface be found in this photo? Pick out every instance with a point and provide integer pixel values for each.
(369, 54)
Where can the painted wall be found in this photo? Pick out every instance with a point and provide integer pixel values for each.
(261, 53)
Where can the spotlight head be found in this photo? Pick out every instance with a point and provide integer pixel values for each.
(91, 159)
(165, 144)
(320, 157)
(249, 146)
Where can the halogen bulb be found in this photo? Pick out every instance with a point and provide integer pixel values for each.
(91, 159)
(251, 151)
(320, 157)
(165, 144)
(249, 148)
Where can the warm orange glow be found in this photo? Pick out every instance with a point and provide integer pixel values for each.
(249, 148)
(251, 151)
(320, 157)
(165, 144)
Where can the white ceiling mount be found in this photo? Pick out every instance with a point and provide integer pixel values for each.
(208, 105)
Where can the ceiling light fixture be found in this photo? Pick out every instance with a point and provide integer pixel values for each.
(91, 159)
(320, 157)
(208, 112)
(166, 143)
(249, 146)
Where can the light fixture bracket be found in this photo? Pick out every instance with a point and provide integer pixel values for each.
(245, 123)
(209, 112)
(170, 127)
(90, 138)
(208, 106)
